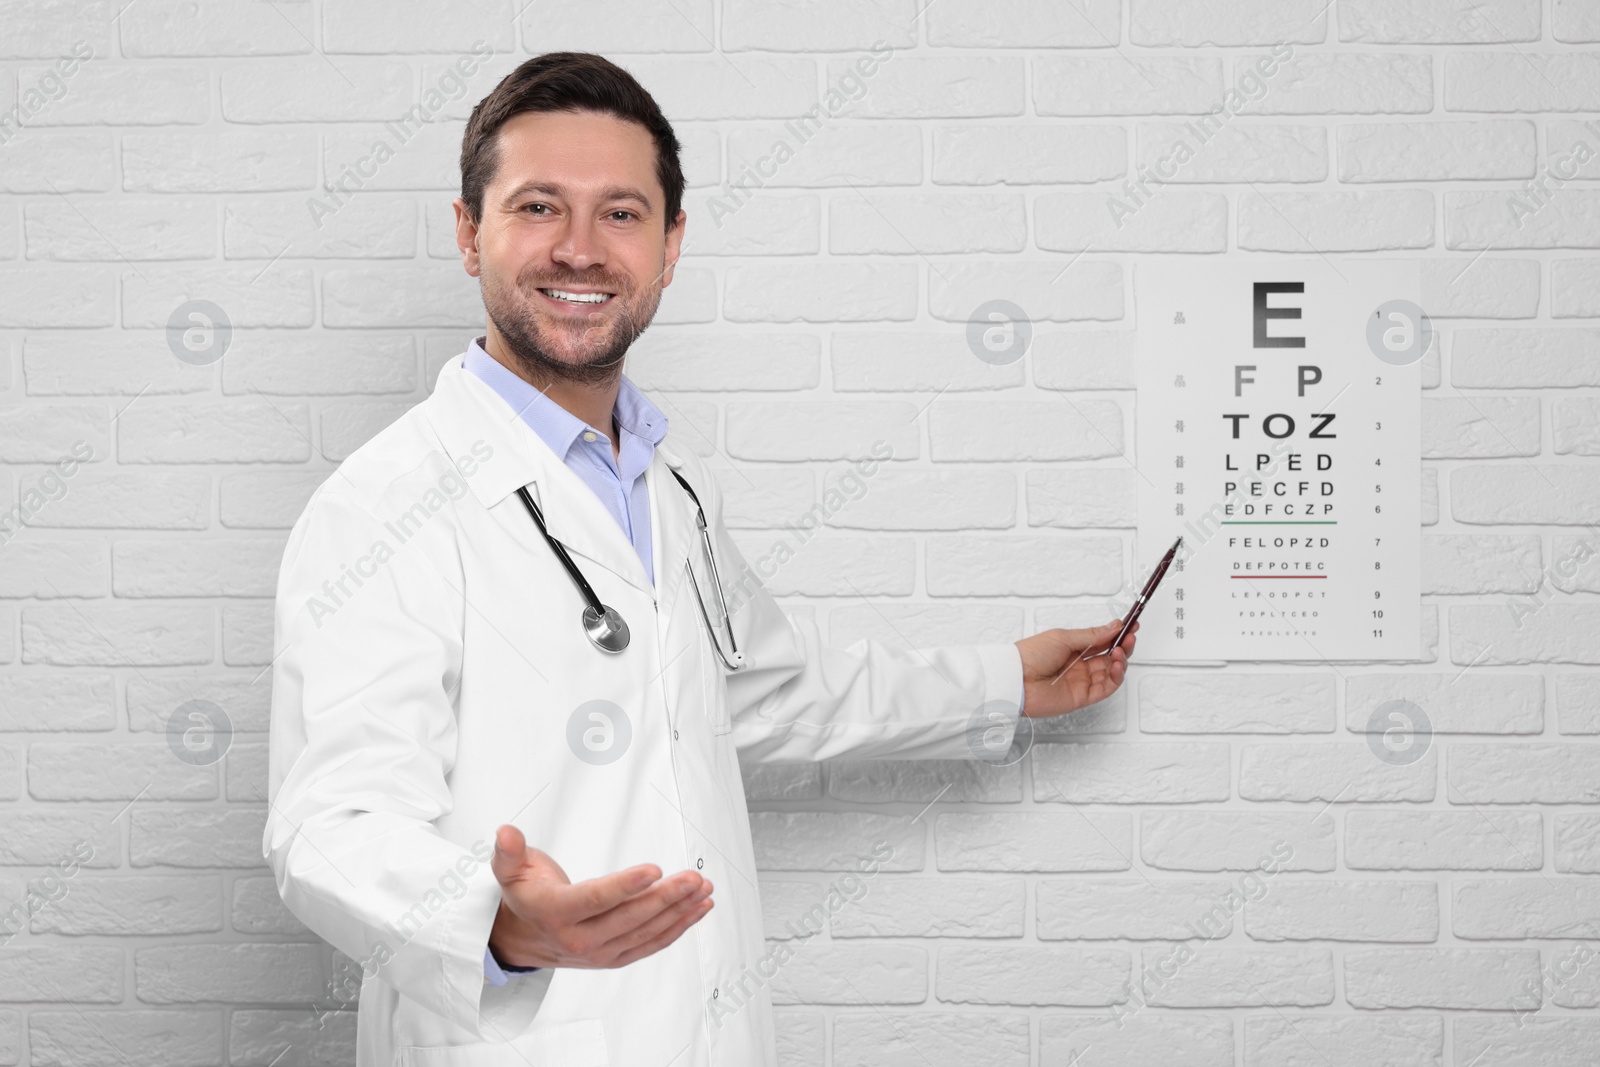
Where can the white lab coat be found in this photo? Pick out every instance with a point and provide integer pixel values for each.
(429, 660)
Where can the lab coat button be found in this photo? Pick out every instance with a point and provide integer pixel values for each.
(700, 862)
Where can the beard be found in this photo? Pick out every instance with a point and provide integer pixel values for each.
(587, 351)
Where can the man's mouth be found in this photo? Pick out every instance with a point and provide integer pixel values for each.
(576, 297)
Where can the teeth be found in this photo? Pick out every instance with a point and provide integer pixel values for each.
(578, 298)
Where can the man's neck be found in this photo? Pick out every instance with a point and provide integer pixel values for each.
(594, 404)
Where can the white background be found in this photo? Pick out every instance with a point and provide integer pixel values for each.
(826, 313)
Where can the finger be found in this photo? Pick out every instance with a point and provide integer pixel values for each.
(510, 854)
(595, 896)
(643, 907)
(1079, 643)
(672, 934)
(1107, 636)
(654, 926)
(1083, 640)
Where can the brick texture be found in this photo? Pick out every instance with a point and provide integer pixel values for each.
(1420, 911)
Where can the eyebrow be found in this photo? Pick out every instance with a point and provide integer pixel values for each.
(613, 192)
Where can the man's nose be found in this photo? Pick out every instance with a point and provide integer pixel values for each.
(579, 246)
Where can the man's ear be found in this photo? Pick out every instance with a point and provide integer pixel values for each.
(466, 237)
(674, 248)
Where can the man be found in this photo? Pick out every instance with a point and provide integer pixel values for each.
(440, 680)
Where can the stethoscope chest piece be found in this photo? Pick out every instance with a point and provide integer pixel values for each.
(605, 628)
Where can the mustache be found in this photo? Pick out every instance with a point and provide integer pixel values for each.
(561, 279)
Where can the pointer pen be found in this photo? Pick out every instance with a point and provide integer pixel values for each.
(1144, 597)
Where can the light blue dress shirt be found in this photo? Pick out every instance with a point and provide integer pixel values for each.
(617, 480)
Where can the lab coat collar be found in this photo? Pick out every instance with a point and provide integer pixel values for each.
(472, 422)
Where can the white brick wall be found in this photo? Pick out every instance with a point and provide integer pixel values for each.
(1062, 910)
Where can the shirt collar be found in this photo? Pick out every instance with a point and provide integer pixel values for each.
(554, 424)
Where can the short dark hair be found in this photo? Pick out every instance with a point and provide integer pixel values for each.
(566, 81)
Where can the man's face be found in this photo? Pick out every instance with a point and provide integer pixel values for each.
(572, 251)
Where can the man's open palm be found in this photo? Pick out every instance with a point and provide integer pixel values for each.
(546, 921)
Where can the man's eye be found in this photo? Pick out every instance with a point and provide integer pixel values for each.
(620, 214)
(536, 207)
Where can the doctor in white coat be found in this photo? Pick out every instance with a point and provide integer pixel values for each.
(476, 785)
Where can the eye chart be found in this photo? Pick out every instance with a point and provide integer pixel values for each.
(1279, 432)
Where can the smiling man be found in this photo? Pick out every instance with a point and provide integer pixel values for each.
(518, 715)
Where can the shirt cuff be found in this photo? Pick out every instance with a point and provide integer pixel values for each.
(495, 974)
(1022, 685)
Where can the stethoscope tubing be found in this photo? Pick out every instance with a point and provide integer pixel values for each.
(561, 552)
(605, 626)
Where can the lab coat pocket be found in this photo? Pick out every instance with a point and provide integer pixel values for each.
(580, 1043)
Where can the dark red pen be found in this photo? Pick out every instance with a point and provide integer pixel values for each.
(1144, 598)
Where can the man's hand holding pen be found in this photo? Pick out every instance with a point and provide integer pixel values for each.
(1064, 670)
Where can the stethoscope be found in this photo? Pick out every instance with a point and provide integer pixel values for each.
(605, 627)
